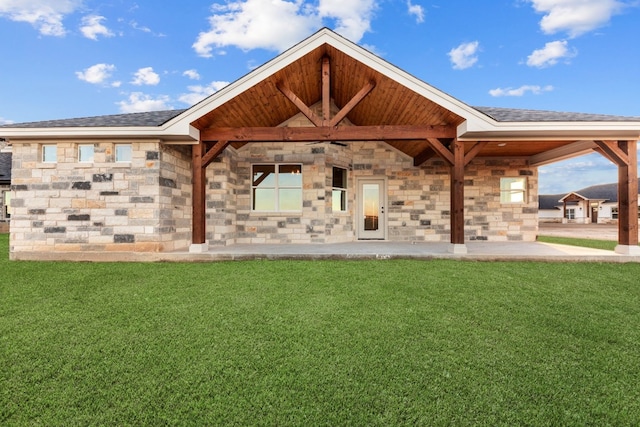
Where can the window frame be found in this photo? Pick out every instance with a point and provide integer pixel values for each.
(507, 195)
(115, 153)
(43, 153)
(80, 151)
(342, 191)
(570, 213)
(276, 188)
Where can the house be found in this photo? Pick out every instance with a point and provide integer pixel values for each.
(5, 186)
(597, 204)
(325, 143)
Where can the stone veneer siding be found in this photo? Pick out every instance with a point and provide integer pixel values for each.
(418, 197)
(141, 206)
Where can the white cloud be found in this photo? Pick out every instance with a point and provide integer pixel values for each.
(279, 24)
(198, 93)
(139, 102)
(550, 54)
(192, 74)
(92, 27)
(353, 17)
(520, 91)
(45, 15)
(575, 17)
(465, 55)
(416, 10)
(145, 76)
(4, 121)
(97, 74)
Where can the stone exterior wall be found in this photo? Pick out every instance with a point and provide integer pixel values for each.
(418, 198)
(145, 205)
(67, 206)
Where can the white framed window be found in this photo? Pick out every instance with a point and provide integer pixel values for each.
(614, 212)
(123, 153)
(276, 188)
(49, 153)
(85, 153)
(339, 190)
(513, 190)
(571, 213)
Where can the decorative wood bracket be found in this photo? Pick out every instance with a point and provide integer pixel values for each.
(611, 150)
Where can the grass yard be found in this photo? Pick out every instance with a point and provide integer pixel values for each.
(608, 245)
(332, 343)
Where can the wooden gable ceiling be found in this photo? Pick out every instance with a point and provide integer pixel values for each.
(388, 104)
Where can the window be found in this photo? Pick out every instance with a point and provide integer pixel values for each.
(123, 153)
(571, 213)
(513, 190)
(85, 153)
(614, 212)
(277, 188)
(339, 190)
(6, 200)
(49, 153)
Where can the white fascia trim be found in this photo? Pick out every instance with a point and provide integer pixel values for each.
(357, 53)
(192, 134)
(514, 131)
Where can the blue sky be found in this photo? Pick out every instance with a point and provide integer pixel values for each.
(76, 58)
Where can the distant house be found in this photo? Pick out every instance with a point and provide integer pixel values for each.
(326, 143)
(5, 187)
(597, 204)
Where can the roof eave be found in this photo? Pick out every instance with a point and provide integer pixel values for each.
(557, 131)
(188, 134)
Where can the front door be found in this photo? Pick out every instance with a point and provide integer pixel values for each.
(594, 214)
(372, 221)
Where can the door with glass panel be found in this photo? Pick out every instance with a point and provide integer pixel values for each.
(371, 209)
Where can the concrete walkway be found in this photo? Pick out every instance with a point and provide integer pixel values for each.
(478, 251)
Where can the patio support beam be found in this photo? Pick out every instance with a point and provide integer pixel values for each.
(325, 133)
(628, 200)
(198, 194)
(457, 198)
(625, 155)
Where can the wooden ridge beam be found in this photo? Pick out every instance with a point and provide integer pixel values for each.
(344, 133)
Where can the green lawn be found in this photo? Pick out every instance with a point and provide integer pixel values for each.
(332, 343)
(608, 245)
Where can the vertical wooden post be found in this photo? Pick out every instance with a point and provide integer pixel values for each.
(628, 197)
(326, 90)
(198, 218)
(457, 197)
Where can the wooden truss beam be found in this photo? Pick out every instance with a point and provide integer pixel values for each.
(325, 133)
(325, 120)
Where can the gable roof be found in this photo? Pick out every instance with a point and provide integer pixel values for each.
(604, 192)
(398, 99)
